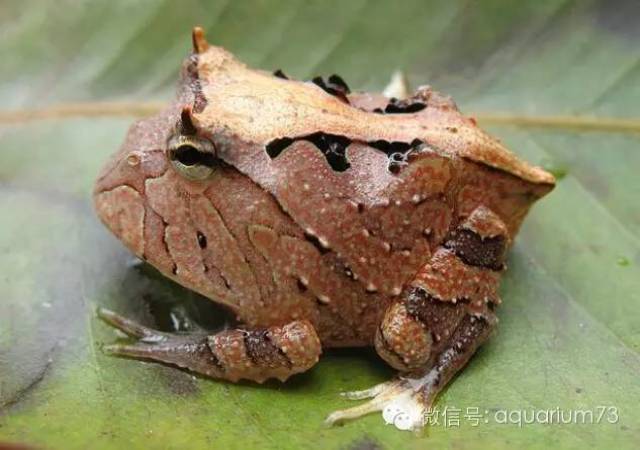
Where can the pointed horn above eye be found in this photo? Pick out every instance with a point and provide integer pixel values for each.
(200, 43)
(186, 123)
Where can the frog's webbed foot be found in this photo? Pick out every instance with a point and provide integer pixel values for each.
(275, 352)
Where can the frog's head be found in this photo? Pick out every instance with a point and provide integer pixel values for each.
(148, 191)
(163, 152)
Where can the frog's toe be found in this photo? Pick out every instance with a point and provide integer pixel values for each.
(404, 402)
(129, 327)
(366, 393)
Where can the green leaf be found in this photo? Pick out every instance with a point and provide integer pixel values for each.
(536, 72)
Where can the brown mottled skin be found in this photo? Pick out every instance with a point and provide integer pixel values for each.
(306, 255)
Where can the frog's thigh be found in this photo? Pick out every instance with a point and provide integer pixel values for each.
(274, 352)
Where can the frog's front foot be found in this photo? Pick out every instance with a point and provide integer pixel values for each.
(274, 352)
(404, 402)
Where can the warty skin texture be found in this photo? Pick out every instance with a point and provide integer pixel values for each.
(362, 253)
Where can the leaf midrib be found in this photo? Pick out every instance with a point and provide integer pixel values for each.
(624, 125)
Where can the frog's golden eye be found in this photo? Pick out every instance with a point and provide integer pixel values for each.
(192, 157)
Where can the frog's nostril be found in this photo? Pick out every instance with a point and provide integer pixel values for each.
(133, 159)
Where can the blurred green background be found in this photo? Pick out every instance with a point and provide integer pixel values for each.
(569, 335)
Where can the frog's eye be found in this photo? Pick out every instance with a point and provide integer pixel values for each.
(192, 157)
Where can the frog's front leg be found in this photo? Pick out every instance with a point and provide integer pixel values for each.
(437, 324)
(275, 352)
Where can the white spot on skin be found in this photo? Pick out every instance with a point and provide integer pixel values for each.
(365, 233)
(416, 198)
(324, 299)
(323, 241)
(386, 246)
(304, 281)
(396, 290)
(371, 287)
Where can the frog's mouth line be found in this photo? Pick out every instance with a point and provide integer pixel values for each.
(334, 146)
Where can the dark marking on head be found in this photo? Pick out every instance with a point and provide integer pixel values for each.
(335, 86)
(398, 152)
(202, 240)
(336, 82)
(280, 74)
(275, 147)
(186, 126)
(474, 250)
(334, 147)
(407, 106)
(174, 269)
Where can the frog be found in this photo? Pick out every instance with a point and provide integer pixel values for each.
(318, 218)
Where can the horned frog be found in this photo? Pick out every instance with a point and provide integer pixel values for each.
(320, 218)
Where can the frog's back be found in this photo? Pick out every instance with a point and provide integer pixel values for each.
(378, 182)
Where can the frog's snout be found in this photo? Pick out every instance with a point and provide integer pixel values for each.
(117, 202)
(122, 210)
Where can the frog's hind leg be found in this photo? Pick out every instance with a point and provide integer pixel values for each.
(275, 352)
(438, 322)
(405, 401)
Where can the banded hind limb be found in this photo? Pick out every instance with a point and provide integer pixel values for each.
(257, 355)
(437, 323)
